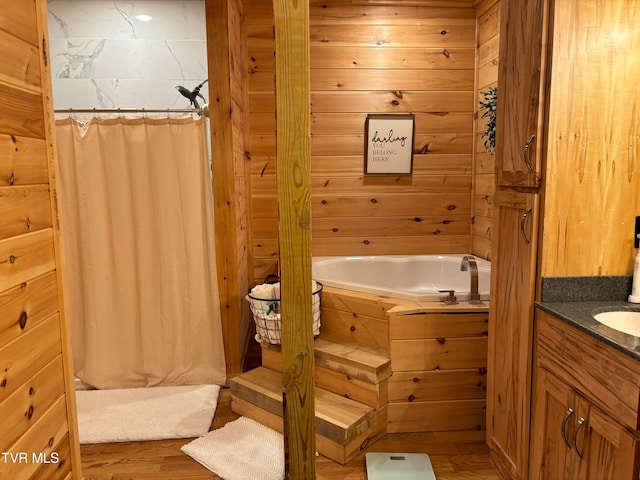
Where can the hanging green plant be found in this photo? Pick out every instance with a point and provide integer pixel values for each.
(489, 104)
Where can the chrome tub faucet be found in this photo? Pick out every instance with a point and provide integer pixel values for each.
(469, 265)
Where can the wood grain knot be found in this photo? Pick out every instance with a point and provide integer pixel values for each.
(22, 321)
(411, 398)
(29, 413)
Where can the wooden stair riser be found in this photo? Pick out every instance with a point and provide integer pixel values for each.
(355, 317)
(341, 453)
(356, 361)
(345, 453)
(337, 418)
(263, 398)
(374, 395)
(271, 357)
(351, 327)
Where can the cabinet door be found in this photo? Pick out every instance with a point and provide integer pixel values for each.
(554, 423)
(511, 331)
(519, 119)
(572, 439)
(606, 451)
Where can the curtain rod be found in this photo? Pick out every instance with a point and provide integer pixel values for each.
(128, 110)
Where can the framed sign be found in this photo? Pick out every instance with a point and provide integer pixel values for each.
(389, 143)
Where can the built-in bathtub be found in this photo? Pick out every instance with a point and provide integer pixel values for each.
(420, 278)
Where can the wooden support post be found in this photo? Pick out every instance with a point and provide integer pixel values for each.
(226, 188)
(293, 149)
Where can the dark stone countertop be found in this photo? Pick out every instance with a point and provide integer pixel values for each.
(576, 299)
(580, 315)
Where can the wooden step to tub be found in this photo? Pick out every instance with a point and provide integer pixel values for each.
(343, 426)
(353, 371)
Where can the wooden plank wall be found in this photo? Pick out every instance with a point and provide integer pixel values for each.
(488, 38)
(370, 59)
(37, 403)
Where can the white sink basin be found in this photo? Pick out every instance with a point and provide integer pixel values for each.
(625, 321)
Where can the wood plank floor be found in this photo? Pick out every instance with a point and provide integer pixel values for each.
(454, 455)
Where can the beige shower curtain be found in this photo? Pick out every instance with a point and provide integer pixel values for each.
(138, 246)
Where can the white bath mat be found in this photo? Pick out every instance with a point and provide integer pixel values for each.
(138, 414)
(241, 450)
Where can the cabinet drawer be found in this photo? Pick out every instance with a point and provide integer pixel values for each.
(608, 378)
(438, 385)
(438, 325)
(29, 402)
(23, 358)
(438, 354)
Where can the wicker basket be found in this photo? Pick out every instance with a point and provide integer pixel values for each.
(266, 314)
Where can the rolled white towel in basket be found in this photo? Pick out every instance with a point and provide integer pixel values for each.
(271, 291)
(265, 291)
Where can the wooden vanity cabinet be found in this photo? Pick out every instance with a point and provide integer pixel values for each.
(547, 115)
(585, 407)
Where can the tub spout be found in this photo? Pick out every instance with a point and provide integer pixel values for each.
(469, 265)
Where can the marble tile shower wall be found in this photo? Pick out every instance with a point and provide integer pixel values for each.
(102, 56)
